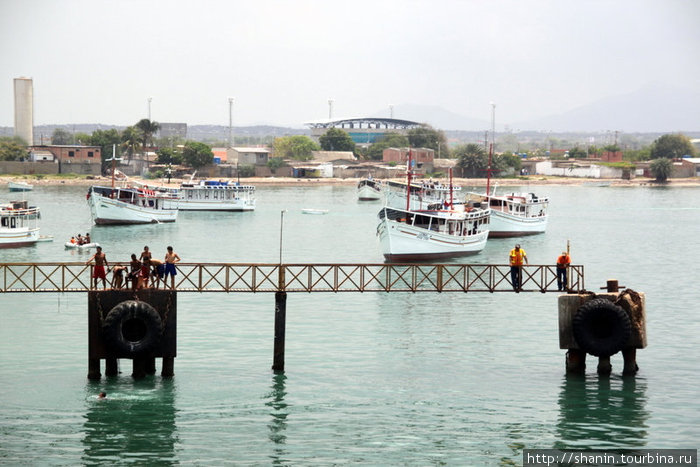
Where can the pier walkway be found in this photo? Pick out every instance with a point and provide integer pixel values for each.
(321, 277)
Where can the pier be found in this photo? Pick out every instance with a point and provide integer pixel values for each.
(293, 278)
(141, 324)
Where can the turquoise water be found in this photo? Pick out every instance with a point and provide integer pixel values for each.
(373, 379)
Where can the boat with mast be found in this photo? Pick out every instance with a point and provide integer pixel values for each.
(512, 214)
(444, 229)
(422, 194)
(128, 205)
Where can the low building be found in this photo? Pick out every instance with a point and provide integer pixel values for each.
(695, 162)
(330, 156)
(73, 158)
(250, 156)
(423, 158)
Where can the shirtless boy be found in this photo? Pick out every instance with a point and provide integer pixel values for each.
(170, 259)
(98, 270)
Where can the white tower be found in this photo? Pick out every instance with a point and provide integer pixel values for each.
(24, 109)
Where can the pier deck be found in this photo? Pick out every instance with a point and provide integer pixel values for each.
(321, 277)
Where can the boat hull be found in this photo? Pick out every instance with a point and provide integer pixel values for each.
(17, 238)
(404, 242)
(14, 186)
(203, 205)
(504, 225)
(369, 190)
(107, 211)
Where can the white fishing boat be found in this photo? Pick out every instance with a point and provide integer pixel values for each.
(209, 195)
(512, 214)
(130, 205)
(20, 186)
(114, 205)
(444, 229)
(369, 189)
(422, 194)
(433, 233)
(19, 224)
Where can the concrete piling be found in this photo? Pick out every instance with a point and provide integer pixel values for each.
(138, 325)
(603, 326)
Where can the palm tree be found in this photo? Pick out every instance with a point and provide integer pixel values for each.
(471, 159)
(131, 141)
(661, 168)
(148, 129)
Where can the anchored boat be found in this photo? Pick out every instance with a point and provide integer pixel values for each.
(19, 224)
(512, 214)
(369, 189)
(110, 205)
(444, 229)
(20, 186)
(422, 194)
(209, 195)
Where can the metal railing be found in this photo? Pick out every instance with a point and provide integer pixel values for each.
(341, 277)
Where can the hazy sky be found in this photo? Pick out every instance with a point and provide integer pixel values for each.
(98, 61)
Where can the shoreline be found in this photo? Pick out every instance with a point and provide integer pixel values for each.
(289, 182)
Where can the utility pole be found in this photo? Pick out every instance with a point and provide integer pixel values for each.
(230, 122)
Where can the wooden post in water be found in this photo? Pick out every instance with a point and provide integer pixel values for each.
(280, 324)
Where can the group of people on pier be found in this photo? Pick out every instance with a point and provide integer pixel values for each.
(518, 258)
(141, 273)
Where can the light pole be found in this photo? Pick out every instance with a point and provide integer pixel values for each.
(230, 122)
(149, 108)
(493, 125)
(281, 230)
(330, 109)
(391, 110)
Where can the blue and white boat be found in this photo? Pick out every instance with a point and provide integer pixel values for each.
(210, 195)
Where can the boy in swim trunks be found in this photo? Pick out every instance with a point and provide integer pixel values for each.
(170, 259)
(98, 271)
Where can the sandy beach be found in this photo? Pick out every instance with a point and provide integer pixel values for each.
(53, 180)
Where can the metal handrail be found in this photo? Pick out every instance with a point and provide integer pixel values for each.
(303, 277)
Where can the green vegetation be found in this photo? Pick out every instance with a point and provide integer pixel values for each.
(672, 146)
(298, 147)
(246, 171)
(197, 154)
(336, 139)
(661, 168)
(274, 163)
(12, 149)
(428, 137)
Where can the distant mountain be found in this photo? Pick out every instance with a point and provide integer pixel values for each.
(435, 116)
(654, 108)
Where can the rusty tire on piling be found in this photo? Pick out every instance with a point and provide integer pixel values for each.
(132, 328)
(601, 328)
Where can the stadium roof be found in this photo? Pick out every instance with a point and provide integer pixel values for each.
(377, 122)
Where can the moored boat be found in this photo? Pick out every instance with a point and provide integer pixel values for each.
(514, 214)
(84, 246)
(209, 195)
(19, 224)
(444, 229)
(114, 206)
(422, 194)
(369, 189)
(433, 233)
(20, 186)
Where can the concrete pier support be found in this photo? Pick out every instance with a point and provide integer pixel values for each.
(602, 329)
(136, 325)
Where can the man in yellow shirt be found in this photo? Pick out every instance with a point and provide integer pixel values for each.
(517, 257)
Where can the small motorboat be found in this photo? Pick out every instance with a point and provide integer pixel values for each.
(314, 211)
(84, 246)
(20, 186)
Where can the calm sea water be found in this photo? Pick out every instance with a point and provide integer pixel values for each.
(375, 379)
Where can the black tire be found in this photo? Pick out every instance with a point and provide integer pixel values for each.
(601, 328)
(132, 328)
